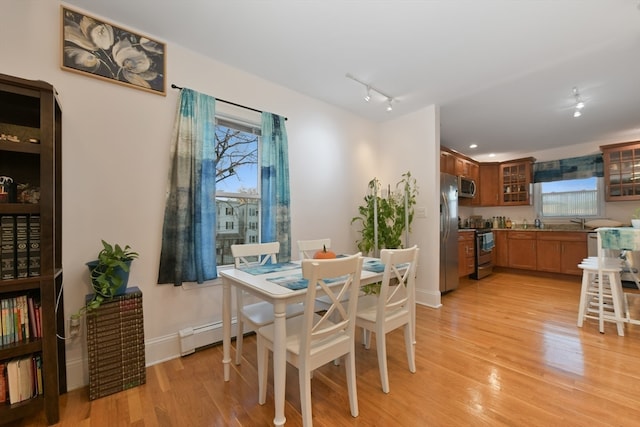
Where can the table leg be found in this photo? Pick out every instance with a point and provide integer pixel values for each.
(226, 327)
(279, 361)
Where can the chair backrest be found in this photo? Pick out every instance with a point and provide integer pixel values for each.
(255, 253)
(307, 248)
(339, 318)
(398, 280)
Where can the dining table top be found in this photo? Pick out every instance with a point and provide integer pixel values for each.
(284, 280)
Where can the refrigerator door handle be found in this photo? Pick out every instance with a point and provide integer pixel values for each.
(447, 226)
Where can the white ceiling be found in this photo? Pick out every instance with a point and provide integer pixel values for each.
(502, 71)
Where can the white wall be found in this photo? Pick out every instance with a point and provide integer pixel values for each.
(412, 143)
(116, 143)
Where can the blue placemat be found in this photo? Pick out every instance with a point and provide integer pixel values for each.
(374, 266)
(296, 281)
(270, 268)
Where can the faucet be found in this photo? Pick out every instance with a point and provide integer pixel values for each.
(580, 221)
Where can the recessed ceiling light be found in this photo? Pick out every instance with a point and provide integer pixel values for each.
(473, 146)
(492, 155)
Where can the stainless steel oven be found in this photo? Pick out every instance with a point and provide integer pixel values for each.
(484, 254)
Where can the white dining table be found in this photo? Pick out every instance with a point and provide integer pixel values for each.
(279, 296)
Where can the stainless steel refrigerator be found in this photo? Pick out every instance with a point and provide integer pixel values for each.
(448, 232)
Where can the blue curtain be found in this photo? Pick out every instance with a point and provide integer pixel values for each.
(275, 199)
(572, 168)
(188, 235)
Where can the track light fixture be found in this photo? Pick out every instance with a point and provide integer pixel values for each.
(370, 89)
(367, 97)
(579, 105)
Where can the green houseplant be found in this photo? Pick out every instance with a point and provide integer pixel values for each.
(110, 272)
(383, 220)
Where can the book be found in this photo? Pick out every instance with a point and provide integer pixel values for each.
(32, 317)
(22, 249)
(3, 382)
(34, 245)
(7, 247)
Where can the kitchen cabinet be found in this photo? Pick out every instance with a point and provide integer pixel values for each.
(515, 178)
(522, 249)
(466, 252)
(501, 249)
(447, 162)
(561, 252)
(488, 184)
(621, 171)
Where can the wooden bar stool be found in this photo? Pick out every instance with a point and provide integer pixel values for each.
(601, 293)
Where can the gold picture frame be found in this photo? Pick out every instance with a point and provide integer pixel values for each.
(100, 49)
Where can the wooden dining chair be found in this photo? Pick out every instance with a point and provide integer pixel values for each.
(314, 340)
(260, 313)
(392, 307)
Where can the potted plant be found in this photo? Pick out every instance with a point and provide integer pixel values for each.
(383, 220)
(109, 273)
(635, 219)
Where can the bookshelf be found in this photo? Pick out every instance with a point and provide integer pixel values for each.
(30, 154)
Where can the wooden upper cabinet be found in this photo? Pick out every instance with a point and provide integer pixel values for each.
(621, 171)
(489, 186)
(447, 162)
(515, 178)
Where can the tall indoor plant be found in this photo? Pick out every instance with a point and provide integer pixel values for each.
(383, 220)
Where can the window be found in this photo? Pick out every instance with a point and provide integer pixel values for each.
(237, 189)
(569, 198)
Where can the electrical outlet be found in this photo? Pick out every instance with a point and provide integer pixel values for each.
(74, 326)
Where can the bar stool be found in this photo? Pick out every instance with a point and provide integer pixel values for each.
(601, 292)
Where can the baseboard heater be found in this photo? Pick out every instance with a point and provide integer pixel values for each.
(200, 336)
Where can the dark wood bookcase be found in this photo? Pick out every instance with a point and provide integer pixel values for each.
(31, 114)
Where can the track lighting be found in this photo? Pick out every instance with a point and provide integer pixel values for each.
(370, 89)
(579, 105)
(367, 97)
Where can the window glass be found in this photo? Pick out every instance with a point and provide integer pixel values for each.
(237, 189)
(570, 198)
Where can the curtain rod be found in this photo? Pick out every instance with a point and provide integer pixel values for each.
(174, 86)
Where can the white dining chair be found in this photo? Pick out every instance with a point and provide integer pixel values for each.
(260, 313)
(314, 340)
(392, 307)
(308, 248)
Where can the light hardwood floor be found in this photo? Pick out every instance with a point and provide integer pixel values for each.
(504, 351)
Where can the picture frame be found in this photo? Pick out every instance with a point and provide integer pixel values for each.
(100, 49)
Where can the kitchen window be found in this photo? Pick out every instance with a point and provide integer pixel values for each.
(572, 198)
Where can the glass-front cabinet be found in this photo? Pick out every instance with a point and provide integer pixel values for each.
(515, 180)
(622, 171)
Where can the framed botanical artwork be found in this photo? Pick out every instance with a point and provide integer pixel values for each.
(97, 48)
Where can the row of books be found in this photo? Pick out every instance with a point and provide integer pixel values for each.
(21, 378)
(19, 246)
(20, 319)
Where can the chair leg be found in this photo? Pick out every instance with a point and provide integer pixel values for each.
(304, 380)
(263, 361)
(239, 338)
(411, 350)
(381, 346)
(366, 338)
(350, 368)
(584, 300)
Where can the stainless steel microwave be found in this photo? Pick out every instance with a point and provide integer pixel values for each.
(466, 187)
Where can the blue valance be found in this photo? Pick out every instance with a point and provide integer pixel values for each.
(573, 168)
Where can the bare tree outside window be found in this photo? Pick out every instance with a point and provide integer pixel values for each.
(237, 192)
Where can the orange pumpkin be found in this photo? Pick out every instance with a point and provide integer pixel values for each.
(324, 254)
